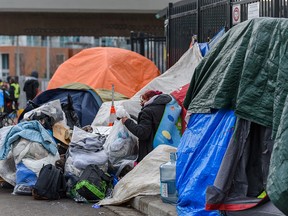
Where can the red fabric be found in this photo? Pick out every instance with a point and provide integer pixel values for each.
(236, 206)
(230, 207)
(179, 96)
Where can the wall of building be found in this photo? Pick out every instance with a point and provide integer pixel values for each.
(78, 24)
(102, 6)
(83, 18)
(35, 58)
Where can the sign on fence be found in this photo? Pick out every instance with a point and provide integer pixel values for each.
(253, 10)
(236, 14)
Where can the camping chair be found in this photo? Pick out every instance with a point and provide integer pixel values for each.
(7, 119)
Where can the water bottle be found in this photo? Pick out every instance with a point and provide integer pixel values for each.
(167, 180)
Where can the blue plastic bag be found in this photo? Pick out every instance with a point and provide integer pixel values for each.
(25, 180)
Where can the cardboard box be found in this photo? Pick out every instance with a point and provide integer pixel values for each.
(62, 133)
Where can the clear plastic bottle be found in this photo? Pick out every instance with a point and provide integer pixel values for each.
(167, 180)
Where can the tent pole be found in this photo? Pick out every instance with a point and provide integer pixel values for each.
(112, 116)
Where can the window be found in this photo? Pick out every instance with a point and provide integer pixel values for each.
(5, 61)
(59, 59)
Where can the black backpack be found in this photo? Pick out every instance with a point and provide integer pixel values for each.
(50, 184)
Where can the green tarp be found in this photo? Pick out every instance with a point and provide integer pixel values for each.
(247, 71)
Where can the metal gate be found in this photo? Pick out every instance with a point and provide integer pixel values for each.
(152, 47)
(201, 18)
(205, 18)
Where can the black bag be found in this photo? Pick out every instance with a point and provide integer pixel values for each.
(93, 183)
(50, 184)
(70, 113)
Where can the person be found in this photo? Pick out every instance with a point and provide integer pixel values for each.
(8, 108)
(14, 91)
(153, 105)
(31, 86)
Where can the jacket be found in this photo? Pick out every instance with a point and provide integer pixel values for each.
(148, 122)
(31, 88)
(14, 91)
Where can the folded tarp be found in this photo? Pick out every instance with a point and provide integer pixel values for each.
(144, 179)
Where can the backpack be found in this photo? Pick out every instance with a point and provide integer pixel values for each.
(93, 183)
(50, 184)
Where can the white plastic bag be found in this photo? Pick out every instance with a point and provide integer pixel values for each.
(51, 108)
(121, 145)
(121, 112)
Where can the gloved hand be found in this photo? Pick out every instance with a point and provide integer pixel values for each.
(123, 120)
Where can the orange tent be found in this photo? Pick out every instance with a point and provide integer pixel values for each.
(101, 67)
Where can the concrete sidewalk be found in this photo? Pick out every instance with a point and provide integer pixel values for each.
(153, 206)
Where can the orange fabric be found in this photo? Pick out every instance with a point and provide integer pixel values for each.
(101, 67)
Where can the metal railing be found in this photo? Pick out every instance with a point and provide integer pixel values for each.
(152, 47)
(205, 18)
(202, 19)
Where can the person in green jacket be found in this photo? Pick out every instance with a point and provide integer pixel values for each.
(14, 91)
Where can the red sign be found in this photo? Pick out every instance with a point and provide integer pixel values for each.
(236, 13)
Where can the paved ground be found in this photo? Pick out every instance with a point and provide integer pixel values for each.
(17, 205)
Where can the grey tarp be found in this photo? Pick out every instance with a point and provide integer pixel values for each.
(247, 71)
(243, 172)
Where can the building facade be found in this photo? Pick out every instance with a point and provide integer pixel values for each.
(81, 18)
(40, 35)
(20, 55)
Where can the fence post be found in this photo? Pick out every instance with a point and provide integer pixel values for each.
(132, 38)
(199, 33)
(168, 34)
(276, 9)
(141, 43)
(229, 14)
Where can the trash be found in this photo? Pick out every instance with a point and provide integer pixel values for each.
(96, 206)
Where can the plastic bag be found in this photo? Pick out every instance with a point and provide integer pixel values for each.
(52, 109)
(121, 145)
(87, 148)
(121, 112)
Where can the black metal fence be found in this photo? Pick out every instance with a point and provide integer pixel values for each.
(154, 48)
(203, 18)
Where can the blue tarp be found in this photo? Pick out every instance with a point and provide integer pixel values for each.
(216, 38)
(1, 99)
(199, 156)
(205, 47)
